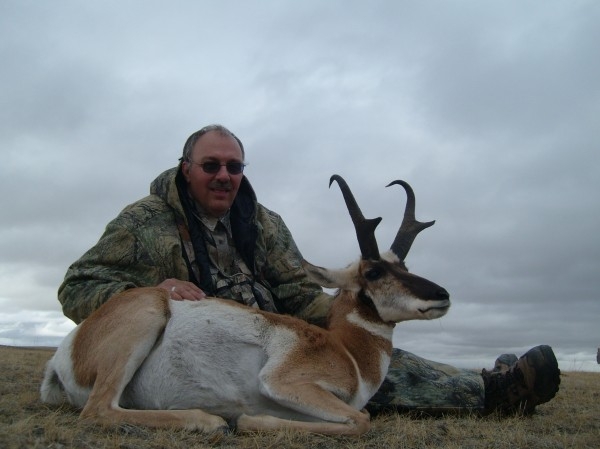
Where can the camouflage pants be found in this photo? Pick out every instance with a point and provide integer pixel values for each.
(413, 383)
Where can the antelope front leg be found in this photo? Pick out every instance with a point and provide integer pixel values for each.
(266, 422)
(338, 418)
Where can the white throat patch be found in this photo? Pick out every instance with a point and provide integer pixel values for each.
(379, 329)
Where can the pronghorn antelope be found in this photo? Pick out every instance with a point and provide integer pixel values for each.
(144, 359)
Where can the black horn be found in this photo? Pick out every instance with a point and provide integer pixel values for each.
(410, 227)
(365, 228)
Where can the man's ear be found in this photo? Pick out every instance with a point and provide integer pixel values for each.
(185, 170)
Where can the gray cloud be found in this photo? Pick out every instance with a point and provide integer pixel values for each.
(488, 111)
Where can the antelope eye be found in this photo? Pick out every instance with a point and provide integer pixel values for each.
(374, 273)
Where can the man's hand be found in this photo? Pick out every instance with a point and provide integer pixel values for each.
(180, 290)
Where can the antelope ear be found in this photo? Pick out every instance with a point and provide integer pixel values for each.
(342, 278)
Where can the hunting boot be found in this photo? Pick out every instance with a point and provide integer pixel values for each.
(531, 380)
(504, 362)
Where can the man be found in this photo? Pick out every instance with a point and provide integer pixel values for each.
(201, 232)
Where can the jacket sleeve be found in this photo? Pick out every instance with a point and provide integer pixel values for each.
(117, 262)
(296, 294)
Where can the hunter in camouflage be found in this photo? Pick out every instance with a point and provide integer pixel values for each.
(146, 244)
(246, 255)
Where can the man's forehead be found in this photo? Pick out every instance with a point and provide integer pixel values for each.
(215, 143)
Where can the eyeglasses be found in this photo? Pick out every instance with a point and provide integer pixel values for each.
(233, 168)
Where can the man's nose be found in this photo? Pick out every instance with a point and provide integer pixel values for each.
(222, 173)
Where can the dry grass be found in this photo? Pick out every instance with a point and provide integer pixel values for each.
(569, 421)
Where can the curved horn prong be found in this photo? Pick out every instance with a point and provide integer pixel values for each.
(365, 228)
(410, 227)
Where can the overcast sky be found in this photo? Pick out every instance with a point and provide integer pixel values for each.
(490, 110)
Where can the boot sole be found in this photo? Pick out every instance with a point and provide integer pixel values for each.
(547, 378)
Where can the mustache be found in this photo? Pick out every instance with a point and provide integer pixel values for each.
(224, 185)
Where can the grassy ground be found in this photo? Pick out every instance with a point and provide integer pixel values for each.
(571, 420)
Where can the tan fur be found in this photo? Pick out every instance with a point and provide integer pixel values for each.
(129, 323)
(324, 375)
(103, 347)
(114, 324)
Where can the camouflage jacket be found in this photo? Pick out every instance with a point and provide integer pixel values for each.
(147, 243)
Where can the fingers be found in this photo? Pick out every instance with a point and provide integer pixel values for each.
(180, 290)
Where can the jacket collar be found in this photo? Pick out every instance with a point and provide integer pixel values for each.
(168, 184)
